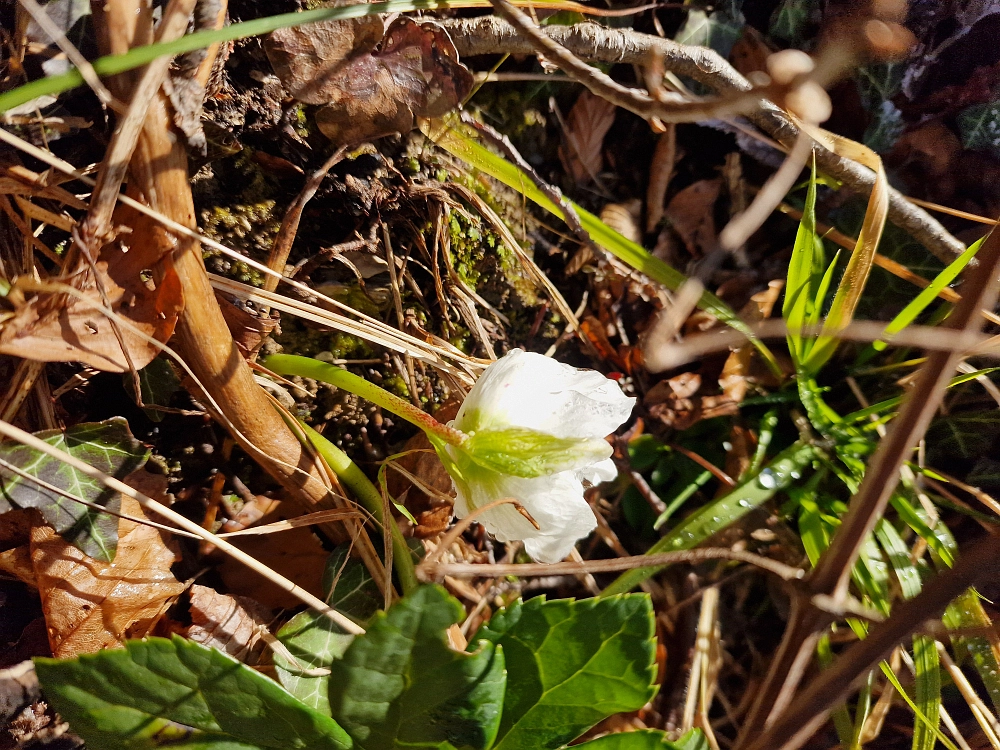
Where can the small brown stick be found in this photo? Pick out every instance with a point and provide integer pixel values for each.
(432, 570)
(808, 711)
(290, 223)
(553, 193)
(459, 528)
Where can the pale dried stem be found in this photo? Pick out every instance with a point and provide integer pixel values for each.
(492, 35)
(159, 170)
(432, 570)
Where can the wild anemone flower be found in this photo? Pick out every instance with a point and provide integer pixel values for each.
(531, 430)
(536, 430)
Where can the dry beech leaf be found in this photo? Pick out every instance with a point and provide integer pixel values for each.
(234, 625)
(15, 536)
(297, 554)
(138, 276)
(660, 171)
(690, 214)
(582, 150)
(369, 93)
(90, 605)
(624, 219)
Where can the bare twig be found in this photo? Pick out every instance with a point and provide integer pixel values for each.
(810, 708)
(432, 570)
(492, 35)
(290, 223)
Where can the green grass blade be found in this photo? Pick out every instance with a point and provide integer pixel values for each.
(927, 692)
(784, 469)
(928, 295)
(455, 138)
(803, 268)
(840, 715)
(921, 717)
(891, 403)
(112, 64)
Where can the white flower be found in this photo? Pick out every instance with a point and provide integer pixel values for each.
(536, 432)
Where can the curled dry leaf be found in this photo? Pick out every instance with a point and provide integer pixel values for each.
(582, 150)
(234, 625)
(90, 605)
(624, 219)
(369, 93)
(138, 277)
(690, 212)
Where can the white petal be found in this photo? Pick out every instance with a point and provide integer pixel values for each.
(604, 471)
(556, 503)
(524, 389)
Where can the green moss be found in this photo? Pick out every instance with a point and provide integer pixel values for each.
(395, 384)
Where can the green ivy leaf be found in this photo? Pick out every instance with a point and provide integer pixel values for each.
(979, 126)
(571, 664)
(400, 685)
(349, 587)
(314, 641)
(175, 692)
(719, 29)
(108, 446)
(647, 739)
(790, 19)
(885, 127)
(157, 383)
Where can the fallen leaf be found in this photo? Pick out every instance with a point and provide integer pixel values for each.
(624, 219)
(690, 213)
(660, 171)
(582, 149)
(367, 93)
(90, 605)
(137, 274)
(233, 625)
(296, 554)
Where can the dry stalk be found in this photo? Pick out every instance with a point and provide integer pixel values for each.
(158, 169)
(831, 575)
(488, 35)
(806, 714)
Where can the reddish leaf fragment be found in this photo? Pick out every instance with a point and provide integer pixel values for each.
(582, 151)
(369, 94)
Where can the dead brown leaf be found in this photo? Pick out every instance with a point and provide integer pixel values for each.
(624, 219)
(90, 605)
(432, 513)
(234, 625)
(582, 150)
(136, 271)
(296, 554)
(367, 93)
(660, 171)
(690, 213)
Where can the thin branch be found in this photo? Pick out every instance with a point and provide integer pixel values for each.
(489, 35)
(809, 710)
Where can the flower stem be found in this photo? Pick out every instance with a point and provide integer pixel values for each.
(369, 496)
(307, 367)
